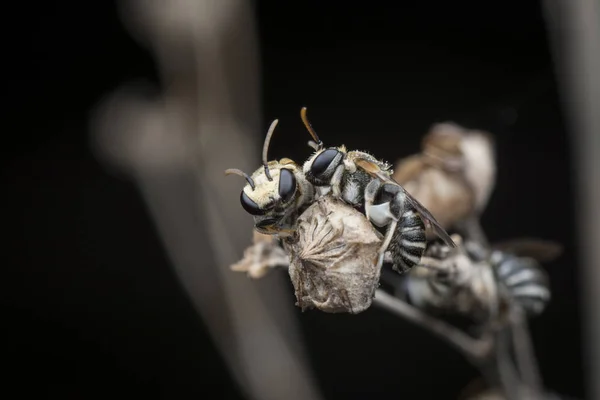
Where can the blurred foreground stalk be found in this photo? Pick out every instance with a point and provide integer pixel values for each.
(176, 148)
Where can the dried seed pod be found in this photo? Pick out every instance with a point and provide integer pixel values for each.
(453, 176)
(334, 261)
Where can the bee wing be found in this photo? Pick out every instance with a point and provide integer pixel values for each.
(374, 170)
(538, 249)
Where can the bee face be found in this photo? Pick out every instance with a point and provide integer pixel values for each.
(319, 168)
(275, 196)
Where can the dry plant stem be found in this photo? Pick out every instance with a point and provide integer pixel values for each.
(525, 354)
(474, 349)
(490, 354)
(509, 379)
(498, 370)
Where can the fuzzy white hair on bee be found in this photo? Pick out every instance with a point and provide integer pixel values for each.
(274, 191)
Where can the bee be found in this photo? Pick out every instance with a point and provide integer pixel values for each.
(361, 180)
(453, 176)
(480, 283)
(276, 193)
(330, 249)
(453, 283)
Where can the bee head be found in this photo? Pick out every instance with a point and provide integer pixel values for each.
(273, 192)
(319, 168)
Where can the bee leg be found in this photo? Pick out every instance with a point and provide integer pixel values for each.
(380, 214)
(370, 192)
(336, 181)
(405, 235)
(389, 234)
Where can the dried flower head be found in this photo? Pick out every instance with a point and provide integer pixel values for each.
(334, 261)
(453, 176)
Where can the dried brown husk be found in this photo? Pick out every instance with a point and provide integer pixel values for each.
(334, 261)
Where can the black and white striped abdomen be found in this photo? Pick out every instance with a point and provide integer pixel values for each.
(408, 242)
(524, 280)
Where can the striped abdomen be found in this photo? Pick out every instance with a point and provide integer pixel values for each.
(408, 242)
(524, 280)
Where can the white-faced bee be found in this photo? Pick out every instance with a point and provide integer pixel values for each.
(276, 193)
(361, 180)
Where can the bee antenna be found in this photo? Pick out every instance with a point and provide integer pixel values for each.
(317, 144)
(266, 148)
(234, 171)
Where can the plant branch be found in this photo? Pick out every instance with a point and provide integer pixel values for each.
(524, 353)
(474, 349)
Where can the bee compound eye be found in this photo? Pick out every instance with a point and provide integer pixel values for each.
(322, 161)
(249, 205)
(287, 184)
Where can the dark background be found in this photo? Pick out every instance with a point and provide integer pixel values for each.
(92, 308)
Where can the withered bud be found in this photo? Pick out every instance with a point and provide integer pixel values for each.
(334, 261)
(453, 176)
